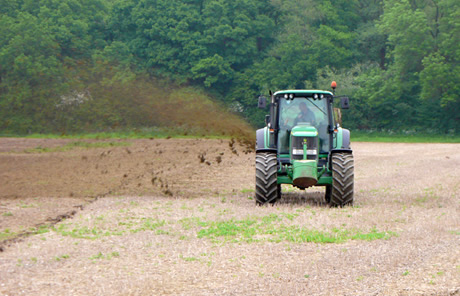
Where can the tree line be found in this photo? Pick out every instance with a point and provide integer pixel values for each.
(75, 64)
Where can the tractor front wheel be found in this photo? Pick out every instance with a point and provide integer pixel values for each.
(267, 188)
(340, 193)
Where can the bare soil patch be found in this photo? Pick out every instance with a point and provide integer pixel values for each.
(21, 144)
(177, 217)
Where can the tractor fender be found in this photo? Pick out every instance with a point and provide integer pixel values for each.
(345, 139)
(261, 146)
(260, 139)
(342, 139)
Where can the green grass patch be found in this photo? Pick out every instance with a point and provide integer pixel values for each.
(137, 133)
(188, 223)
(26, 206)
(302, 235)
(270, 228)
(77, 144)
(41, 229)
(6, 234)
(97, 256)
(59, 258)
(277, 228)
(244, 229)
(128, 225)
(148, 224)
(188, 259)
(100, 255)
(401, 137)
(86, 232)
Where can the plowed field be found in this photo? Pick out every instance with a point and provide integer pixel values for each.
(177, 217)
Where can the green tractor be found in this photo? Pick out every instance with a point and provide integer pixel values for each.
(304, 145)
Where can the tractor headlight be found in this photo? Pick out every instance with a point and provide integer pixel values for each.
(300, 151)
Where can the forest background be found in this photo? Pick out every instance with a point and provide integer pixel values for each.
(95, 65)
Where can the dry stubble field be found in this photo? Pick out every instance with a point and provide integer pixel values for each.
(177, 217)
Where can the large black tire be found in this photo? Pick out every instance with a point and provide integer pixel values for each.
(267, 189)
(341, 191)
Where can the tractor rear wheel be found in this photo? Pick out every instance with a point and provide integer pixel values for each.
(267, 188)
(341, 191)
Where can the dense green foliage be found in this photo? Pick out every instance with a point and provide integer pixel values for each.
(85, 65)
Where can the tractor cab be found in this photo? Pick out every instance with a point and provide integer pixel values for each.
(302, 111)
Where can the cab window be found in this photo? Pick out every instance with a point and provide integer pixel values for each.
(302, 111)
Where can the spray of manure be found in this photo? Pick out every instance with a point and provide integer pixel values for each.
(141, 102)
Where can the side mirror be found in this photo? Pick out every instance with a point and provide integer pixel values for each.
(267, 119)
(344, 102)
(262, 102)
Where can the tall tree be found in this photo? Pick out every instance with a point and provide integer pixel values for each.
(30, 72)
(441, 67)
(422, 51)
(200, 41)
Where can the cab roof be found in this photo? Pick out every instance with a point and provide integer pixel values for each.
(303, 92)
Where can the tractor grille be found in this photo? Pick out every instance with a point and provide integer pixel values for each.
(297, 147)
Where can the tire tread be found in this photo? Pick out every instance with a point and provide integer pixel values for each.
(267, 188)
(342, 180)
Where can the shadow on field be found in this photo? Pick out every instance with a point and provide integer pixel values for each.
(315, 199)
